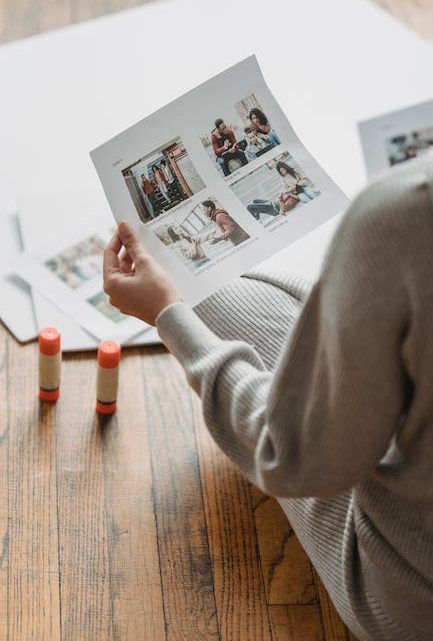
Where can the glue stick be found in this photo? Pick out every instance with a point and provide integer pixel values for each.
(108, 377)
(50, 361)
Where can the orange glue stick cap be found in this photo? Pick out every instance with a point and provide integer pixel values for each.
(109, 354)
(49, 341)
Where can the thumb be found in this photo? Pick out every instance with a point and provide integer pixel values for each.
(131, 241)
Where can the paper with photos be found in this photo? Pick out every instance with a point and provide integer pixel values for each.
(397, 137)
(68, 271)
(216, 181)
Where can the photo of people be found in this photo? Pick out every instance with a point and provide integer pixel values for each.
(202, 235)
(275, 189)
(408, 146)
(240, 136)
(100, 302)
(79, 263)
(161, 180)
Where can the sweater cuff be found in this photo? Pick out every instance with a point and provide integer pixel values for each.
(183, 333)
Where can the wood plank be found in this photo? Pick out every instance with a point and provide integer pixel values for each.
(185, 564)
(333, 626)
(296, 622)
(239, 587)
(286, 568)
(416, 14)
(4, 439)
(33, 577)
(84, 564)
(22, 18)
(137, 607)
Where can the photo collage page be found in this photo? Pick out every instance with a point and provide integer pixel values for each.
(245, 151)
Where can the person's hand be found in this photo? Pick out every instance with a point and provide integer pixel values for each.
(136, 284)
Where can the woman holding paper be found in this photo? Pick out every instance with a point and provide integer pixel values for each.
(332, 409)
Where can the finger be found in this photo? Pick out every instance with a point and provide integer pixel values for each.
(111, 255)
(126, 262)
(131, 242)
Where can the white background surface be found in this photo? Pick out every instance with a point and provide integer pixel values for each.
(329, 64)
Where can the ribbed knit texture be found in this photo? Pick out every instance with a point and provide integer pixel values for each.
(325, 400)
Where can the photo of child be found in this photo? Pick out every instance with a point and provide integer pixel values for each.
(100, 302)
(408, 146)
(78, 264)
(275, 189)
(201, 236)
(161, 180)
(244, 134)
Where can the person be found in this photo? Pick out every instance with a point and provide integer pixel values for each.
(231, 230)
(322, 394)
(257, 142)
(191, 248)
(160, 182)
(294, 183)
(261, 124)
(225, 146)
(168, 174)
(149, 195)
(261, 206)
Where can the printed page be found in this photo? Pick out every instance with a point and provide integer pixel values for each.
(68, 271)
(216, 181)
(397, 137)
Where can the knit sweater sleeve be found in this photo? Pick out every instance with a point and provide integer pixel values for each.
(323, 420)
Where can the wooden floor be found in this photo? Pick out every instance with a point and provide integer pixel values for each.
(138, 528)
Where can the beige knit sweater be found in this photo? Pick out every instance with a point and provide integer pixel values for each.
(348, 411)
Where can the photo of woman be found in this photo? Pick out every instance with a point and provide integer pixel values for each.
(275, 189)
(260, 124)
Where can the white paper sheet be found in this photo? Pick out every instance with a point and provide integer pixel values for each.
(206, 214)
(67, 269)
(397, 137)
(16, 308)
(36, 224)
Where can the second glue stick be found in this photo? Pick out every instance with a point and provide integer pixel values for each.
(108, 377)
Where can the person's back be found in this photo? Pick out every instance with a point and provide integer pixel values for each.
(349, 410)
(325, 398)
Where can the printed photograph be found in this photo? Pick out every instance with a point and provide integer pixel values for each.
(100, 302)
(408, 146)
(161, 180)
(202, 235)
(78, 264)
(239, 136)
(275, 189)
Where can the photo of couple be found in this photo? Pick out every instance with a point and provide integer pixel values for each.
(275, 189)
(202, 235)
(408, 146)
(248, 136)
(161, 180)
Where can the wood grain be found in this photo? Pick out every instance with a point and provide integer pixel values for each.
(138, 527)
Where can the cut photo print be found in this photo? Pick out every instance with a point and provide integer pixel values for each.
(100, 302)
(161, 180)
(78, 264)
(408, 146)
(202, 236)
(275, 189)
(239, 136)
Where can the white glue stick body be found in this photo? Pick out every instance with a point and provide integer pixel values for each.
(108, 377)
(50, 363)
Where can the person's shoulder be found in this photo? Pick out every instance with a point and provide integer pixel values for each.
(399, 200)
